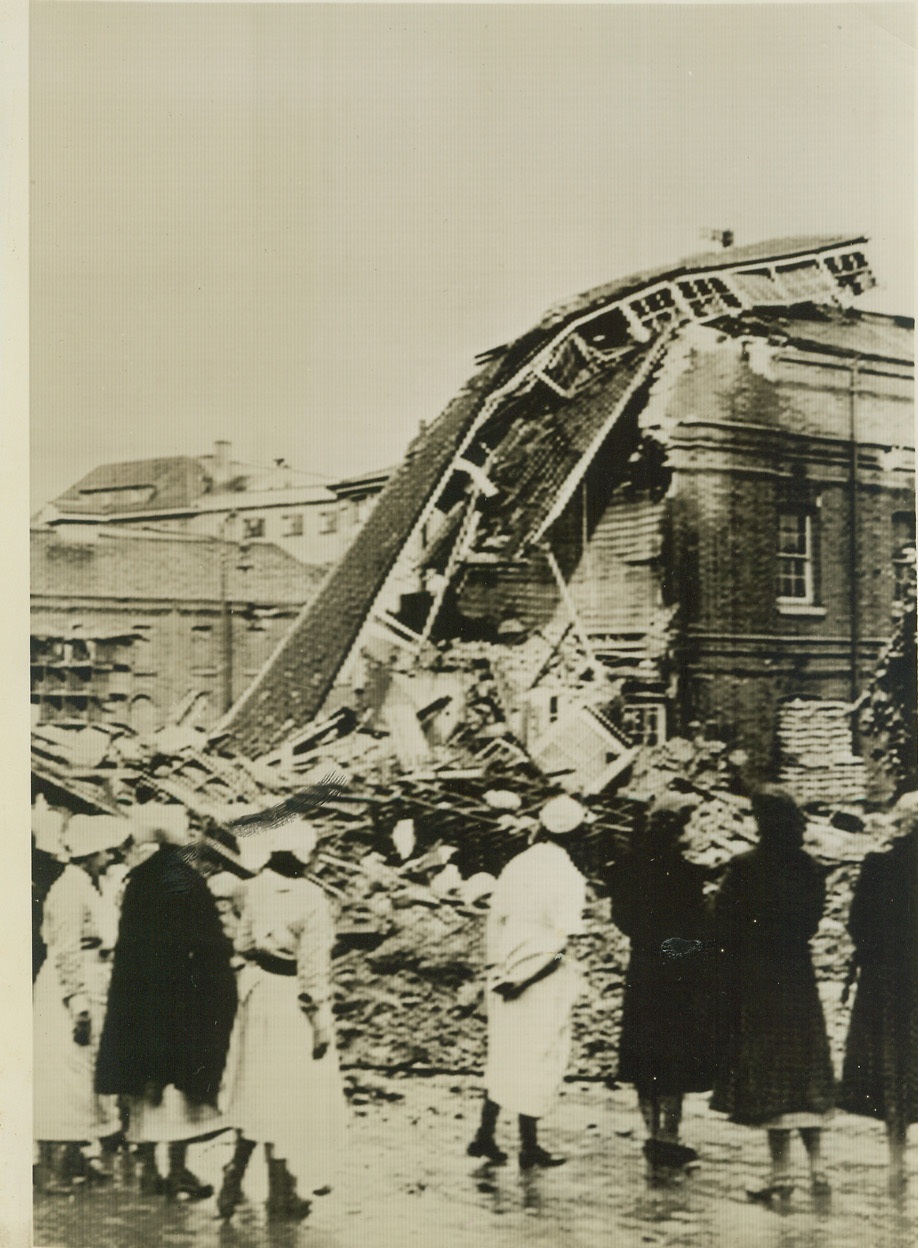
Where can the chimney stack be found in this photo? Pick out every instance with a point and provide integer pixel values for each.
(221, 463)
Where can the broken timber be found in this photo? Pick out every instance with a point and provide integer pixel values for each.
(619, 331)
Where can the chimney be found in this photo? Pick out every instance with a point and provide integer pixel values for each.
(221, 463)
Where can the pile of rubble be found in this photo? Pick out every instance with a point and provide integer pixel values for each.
(409, 855)
(817, 759)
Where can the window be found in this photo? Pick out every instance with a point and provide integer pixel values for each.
(795, 556)
(903, 554)
(77, 679)
(645, 722)
(328, 521)
(253, 526)
(655, 309)
(293, 524)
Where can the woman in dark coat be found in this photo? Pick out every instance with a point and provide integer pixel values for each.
(171, 1005)
(774, 1066)
(880, 1078)
(667, 1037)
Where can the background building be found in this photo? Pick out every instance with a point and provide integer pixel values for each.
(312, 521)
(134, 625)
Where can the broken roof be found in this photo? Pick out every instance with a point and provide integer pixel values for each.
(515, 443)
(290, 690)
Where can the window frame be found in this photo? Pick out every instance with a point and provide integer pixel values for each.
(328, 521)
(641, 709)
(807, 557)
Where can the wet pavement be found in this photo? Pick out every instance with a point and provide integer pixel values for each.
(408, 1182)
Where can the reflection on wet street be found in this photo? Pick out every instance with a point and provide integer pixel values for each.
(409, 1182)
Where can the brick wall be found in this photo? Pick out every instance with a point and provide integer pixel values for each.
(183, 652)
(746, 446)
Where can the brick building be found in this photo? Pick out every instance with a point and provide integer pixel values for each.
(222, 497)
(704, 474)
(129, 624)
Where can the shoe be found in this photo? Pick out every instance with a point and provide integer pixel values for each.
(532, 1157)
(233, 1173)
(820, 1185)
(88, 1170)
(284, 1204)
(92, 1173)
(669, 1154)
(480, 1147)
(771, 1193)
(230, 1191)
(183, 1184)
(152, 1182)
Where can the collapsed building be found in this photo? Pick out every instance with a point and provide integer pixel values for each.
(678, 515)
(682, 504)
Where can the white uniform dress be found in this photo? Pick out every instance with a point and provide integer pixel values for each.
(66, 1107)
(274, 1091)
(536, 906)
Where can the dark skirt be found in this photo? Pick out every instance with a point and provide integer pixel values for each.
(774, 1053)
(667, 1038)
(880, 1076)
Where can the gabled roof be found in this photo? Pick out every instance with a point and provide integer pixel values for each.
(170, 483)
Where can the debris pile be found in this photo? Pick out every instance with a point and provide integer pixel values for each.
(409, 855)
(817, 760)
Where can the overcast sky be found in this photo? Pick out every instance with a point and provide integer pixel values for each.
(294, 226)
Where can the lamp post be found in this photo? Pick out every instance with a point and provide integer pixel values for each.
(226, 615)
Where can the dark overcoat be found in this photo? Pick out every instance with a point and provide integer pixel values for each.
(172, 997)
(773, 1056)
(667, 1036)
(880, 1076)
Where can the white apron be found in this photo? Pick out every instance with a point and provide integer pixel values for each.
(537, 904)
(65, 1106)
(274, 1091)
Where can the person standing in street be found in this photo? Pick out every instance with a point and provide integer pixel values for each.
(667, 1037)
(880, 1074)
(536, 907)
(774, 1066)
(69, 1007)
(283, 1086)
(171, 1005)
(48, 862)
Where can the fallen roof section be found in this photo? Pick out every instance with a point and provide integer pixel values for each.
(484, 446)
(290, 690)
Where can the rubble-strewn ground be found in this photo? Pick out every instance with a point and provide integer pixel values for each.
(408, 1182)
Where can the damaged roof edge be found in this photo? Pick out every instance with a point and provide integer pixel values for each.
(567, 490)
(776, 251)
(292, 686)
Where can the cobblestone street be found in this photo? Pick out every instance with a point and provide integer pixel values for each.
(408, 1182)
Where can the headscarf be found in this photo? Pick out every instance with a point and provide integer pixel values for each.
(47, 828)
(91, 834)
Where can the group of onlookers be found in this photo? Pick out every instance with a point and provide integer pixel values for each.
(167, 1012)
(720, 993)
(170, 1007)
